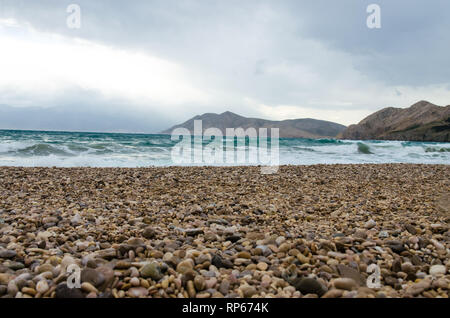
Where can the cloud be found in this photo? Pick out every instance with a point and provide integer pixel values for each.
(43, 66)
(278, 60)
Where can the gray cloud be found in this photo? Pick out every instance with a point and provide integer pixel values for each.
(303, 53)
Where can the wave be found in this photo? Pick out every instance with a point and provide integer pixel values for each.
(303, 149)
(42, 150)
(364, 149)
(136, 150)
(433, 149)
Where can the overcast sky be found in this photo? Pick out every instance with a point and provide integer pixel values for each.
(163, 62)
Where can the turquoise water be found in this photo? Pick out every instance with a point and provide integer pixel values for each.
(80, 149)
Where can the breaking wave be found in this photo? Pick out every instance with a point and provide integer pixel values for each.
(66, 149)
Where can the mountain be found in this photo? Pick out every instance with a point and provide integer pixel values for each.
(292, 128)
(422, 121)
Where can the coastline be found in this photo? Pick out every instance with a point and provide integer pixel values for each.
(225, 231)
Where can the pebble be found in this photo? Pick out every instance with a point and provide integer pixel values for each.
(191, 289)
(248, 291)
(244, 236)
(92, 277)
(333, 293)
(12, 288)
(7, 253)
(345, 283)
(437, 270)
(42, 287)
(262, 266)
(185, 266)
(63, 291)
(370, 224)
(135, 282)
(149, 233)
(219, 262)
(224, 287)
(199, 283)
(88, 287)
(151, 270)
(137, 292)
(193, 232)
(308, 285)
(411, 229)
(396, 246)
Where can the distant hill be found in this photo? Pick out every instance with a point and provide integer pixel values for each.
(292, 128)
(422, 121)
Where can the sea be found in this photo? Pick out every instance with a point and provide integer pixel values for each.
(85, 149)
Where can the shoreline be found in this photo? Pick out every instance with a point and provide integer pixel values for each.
(189, 231)
(231, 166)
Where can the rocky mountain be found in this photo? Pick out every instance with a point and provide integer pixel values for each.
(422, 121)
(292, 128)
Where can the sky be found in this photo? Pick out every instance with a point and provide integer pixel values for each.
(146, 65)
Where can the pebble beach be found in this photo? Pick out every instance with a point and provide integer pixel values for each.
(213, 232)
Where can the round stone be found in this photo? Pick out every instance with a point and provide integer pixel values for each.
(370, 224)
(137, 292)
(135, 282)
(184, 266)
(12, 288)
(149, 232)
(93, 277)
(262, 266)
(307, 285)
(344, 283)
(42, 286)
(199, 283)
(7, 253)
(63, 291)
(151, 270)
(88, 287)
(437, 270)
(244, 254)
(248, 291)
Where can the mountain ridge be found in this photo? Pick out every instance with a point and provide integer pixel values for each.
(422, 121)
(289, 128)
